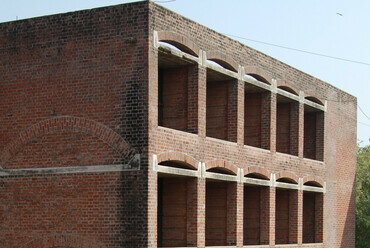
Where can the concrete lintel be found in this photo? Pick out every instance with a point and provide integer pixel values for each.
(155, 162)
(203, 170)
(155, 39)
(287, 94)
(255, 181)
(257, 83)
(301, 97)
(300, 183)
(240, 72)
(176, 171)
(314, 105)
(222, 70)
(67, 170)
(240, 175)
(179, 54)
(222, 177)
(312, 189)
(274, 86)
(272, 179)
(286, 185)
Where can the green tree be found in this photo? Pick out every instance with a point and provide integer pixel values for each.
(363, 198)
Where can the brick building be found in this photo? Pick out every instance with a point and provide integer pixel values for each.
(133, 126)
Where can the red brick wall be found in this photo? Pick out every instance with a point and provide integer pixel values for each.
(252, 215)
(310, 135)
(253, 119)
(283, 128)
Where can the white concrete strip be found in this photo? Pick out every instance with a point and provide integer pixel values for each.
(67, 170)
(257, 83)
(312, 189)
(177, 171)
(222, 177)
(179, 54)
(256, 181)
(288, 94)
(314, 105)
(286, 185)
(222, 70)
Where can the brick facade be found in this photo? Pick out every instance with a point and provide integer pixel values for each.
(132, 126)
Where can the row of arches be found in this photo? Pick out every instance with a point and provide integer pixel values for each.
(181, 196)
(267, 103)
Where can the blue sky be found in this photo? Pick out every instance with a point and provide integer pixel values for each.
(338, 28)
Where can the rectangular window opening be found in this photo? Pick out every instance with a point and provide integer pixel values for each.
(175, 104)
(286, 222)
(221, 122)
(313, 133)
(257, 107)
(220, 213)
(287, 124)
(176, 212)
(256, 215)
(312, 217)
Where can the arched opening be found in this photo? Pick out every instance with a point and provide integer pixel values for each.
(313, 145)
(256, 212)
(314, 99)
(258, 78)
(286, 213)
(287, 125)
(288, 89)
(257, 116)
(176, 212)
(220, 209)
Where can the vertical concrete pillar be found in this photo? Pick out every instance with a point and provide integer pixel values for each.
(202, 100)
(240, 112)
(272, 217)
(201, 213)
(300, 218)
(239, 214)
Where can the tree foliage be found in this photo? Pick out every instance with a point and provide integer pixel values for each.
(363, 198)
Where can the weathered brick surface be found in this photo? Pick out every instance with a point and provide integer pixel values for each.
(81, 89)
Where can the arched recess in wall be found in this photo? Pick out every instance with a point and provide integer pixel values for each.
(315, 100)
(223, 60)
(222, 167)
(62, 240)
(70, 124)
(287, 86)
(177, 160)
(258, 74)
(257, 172)
(313, 181)
(179, 41)
(287, 177)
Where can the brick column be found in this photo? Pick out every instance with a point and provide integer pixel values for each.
(293, 216)
(202, 100)
(273, 115)
(320, 128)
(193, 98)
(294, 127)
(240, 112)
(301, 128)
(232, 193)
(191, 211)
(201, 213)
(239, 214)
(232, 110)
(319, 218)
(272, 211)
(265, 215)
(300, 218)
(266, 120)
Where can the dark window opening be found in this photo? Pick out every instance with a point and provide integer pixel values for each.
(256, 215)
(287, 124)
(287, 89)
(257, 109)
(258, 78)
(286, 180)
(221, 170)
(313, 147)
(177, 164)
(220, 213)
(312, 217)
(176, 211)
(257, 176)
(221, 117)
(286, 222)
(175, 76)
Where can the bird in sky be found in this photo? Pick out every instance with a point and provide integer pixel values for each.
(339, 14)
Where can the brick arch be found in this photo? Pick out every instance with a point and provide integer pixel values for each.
(177, 156)
(63, 123)
(257, 170)
(313, 98)
(221, 164)
(223, 60)
(288, 85)
(179, 41)
(315, 179)
(288, 175)
(258, 73)
(62, 240)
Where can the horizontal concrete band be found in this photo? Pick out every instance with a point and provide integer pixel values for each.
(67, 170)
(239, 178)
